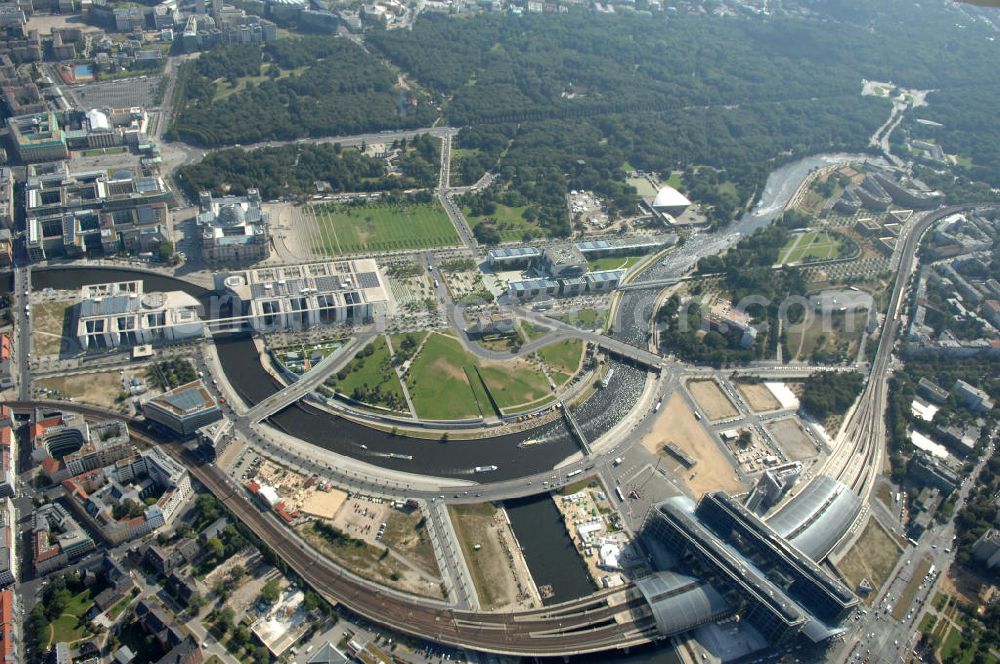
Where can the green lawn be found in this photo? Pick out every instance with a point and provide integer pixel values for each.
(510, 224)
(563, 357)
(346, 229)
(373, 374)
(587, 319)
(69, 626)
(532, 331)
(675, 180)
(438, 382)
(614, 262)
(515, 387)
(444, 384)
(815, 245)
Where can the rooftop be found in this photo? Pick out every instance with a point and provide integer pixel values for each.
(186, 399)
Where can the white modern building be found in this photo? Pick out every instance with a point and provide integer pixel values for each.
(120, 314)
(293, 297)
(670, 201)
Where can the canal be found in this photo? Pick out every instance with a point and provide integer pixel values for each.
(548, 550)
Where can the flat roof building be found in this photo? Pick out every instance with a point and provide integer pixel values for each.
(184, 409)
(295, 297)
(561, 261)
(37, 137)
(509, 258)
(121, 314)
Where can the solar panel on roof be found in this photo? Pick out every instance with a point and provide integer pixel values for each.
(186, 400)
(368, 280)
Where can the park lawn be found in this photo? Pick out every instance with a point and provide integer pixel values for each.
(530, 331)
(510, 223)
(438, 382)
(347, 229)
(563, 356)
(69, 626)
(444, 383)
(515, 383)
(815, 245)
(839, 335)
(675, 180)
(372, 370)
(223, 89)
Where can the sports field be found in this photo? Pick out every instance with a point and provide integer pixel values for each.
(348, 229)
(812, 245)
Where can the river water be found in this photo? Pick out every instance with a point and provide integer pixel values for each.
(550, 443)
(549, 552)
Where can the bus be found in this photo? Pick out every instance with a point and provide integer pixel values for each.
(621, 496)
(573, 474)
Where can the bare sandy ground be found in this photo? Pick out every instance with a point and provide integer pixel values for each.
(712, 400)
(712, 470)
(758, 396)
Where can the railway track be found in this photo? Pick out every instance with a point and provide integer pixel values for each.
(585, 625)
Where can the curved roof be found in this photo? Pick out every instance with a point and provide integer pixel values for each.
(669, 197)
(680, 603)
(816, 519)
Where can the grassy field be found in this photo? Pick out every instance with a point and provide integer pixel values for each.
(510, 223)
(512, 386)
(371, 372)
(347, 229)
(562, 358)
(814, 245)
(614, 262)
(444, 384)
(49, 327)
(438, 382)
(905, 601)
(69, 626)
(819, 337)
(223, 89)
(587, 319)
(530, 331)
(101, 388)
(486, 565)
(872, 557)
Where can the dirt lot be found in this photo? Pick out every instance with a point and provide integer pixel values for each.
(758, 396)
(49, 327)
(872, 557)
(406, 534)
(324, 504)
(498, 570)
(373, 561)
(712, 470)
(712, 400)
(99, 389)
(797, 445)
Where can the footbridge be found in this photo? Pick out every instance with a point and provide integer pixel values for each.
(309, 381)
(575, 429)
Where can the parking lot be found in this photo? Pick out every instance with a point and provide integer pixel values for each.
(123, 93)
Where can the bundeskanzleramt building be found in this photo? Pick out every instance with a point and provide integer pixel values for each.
(234, 229)
(294, 297)
(184, 409)
(120, 314)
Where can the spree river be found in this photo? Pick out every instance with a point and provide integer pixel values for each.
(547, 445)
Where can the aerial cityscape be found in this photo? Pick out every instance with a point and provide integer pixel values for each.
(498, 331)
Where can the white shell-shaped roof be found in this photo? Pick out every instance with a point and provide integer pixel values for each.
(670, 197)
